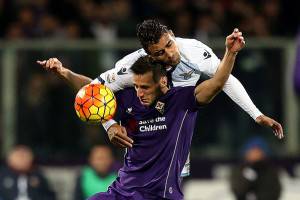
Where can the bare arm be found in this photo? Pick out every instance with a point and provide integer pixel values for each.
(208, 89)
(75, 80)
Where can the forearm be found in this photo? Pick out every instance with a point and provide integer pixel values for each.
(207, 90)
(75, 80)
(224, 69)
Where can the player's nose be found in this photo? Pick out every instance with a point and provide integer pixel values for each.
(140, 93)
(169, 54)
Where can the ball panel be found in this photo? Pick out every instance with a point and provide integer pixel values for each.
(93, 110)
(86, 112)
(95, 118)
(88, 103)
(103, 92)
(99, 97)
(97, 102)
(89, 90)
(108, 98)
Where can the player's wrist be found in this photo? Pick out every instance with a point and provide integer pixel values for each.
(64, 72)
(231, 52)
(108, 124)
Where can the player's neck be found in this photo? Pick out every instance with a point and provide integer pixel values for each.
(165, 89)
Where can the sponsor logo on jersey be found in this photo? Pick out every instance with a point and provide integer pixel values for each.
(206, 54)
(155, 124)
(129, 110)
(111, 78)
(122, 71)
(160, 107)
(187, 75)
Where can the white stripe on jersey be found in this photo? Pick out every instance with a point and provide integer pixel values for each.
(178, 134)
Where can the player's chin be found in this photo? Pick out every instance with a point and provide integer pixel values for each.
(145, 102)
(174, 62)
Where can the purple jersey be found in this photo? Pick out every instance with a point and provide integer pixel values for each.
(162, 136)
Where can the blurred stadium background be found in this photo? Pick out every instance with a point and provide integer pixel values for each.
(89, 36)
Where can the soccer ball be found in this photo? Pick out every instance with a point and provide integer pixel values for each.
(95, 103)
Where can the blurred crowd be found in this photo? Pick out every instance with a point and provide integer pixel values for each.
(22, 179)
(106, 20)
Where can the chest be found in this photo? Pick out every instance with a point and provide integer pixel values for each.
(185, 74)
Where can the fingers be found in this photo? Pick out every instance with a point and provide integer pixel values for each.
(41, 62)
(235, 34)
(122, 142)
(118, 136)
(277, 129)
(235, 41)
(124, 135)
(51, 63)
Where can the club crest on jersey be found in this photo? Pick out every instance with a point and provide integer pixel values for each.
(122, 71)
(160, 107)
(110, 78)
(187, 75)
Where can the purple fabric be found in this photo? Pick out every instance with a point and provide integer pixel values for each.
(162, 136)
(112, 195)
(297, 67)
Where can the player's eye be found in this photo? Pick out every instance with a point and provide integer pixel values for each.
(169, 44)
(145, 87)
(159, 53)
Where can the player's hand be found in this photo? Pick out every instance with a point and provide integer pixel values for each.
(118, 136)
(52, 64)
(268, 122)
(235, 41)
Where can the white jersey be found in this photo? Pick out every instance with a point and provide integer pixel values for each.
(196, 59)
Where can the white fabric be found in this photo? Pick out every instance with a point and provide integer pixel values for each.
(196, 58)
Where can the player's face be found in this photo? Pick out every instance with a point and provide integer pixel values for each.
(166, 50)
(146, 88)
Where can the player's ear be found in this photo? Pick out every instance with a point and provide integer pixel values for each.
(163, 81)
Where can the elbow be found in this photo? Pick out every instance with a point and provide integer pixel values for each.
(219, 86)
(204, 102)
(203, 99)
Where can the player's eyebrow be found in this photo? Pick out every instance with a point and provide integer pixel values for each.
(167, 45)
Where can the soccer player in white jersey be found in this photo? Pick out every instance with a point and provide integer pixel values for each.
(187, 60)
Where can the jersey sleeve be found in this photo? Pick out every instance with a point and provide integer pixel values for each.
(120, 77)
(187, 98)
(207, 62)
(235, 90)
(200, 56)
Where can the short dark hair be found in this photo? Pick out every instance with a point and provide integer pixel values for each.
(146, 64)
(149, 32)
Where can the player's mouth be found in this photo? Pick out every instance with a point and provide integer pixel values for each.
(174, 61)
(144, 102)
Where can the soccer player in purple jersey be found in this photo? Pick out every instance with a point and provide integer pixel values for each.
(186, 60)
(160, 120)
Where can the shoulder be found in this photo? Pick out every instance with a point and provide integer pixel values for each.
(128, 60)
(193, 50)
(181, 92)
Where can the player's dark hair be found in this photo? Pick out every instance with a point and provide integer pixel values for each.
(146, 64)
(149, 32)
